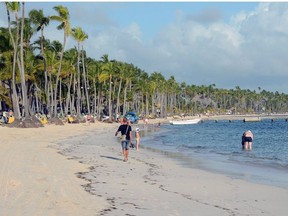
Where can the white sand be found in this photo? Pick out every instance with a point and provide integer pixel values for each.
(36, 180)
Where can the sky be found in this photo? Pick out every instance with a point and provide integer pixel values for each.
(228, 44)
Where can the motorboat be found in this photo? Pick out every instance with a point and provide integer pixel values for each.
(184, 122)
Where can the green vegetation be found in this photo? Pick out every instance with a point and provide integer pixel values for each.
(58, 81)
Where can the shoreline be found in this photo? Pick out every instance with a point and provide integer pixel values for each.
(160, 182)
(266, 173)
(256, 174)
(90, 157)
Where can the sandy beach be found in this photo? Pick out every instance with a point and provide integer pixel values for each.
(77, 169)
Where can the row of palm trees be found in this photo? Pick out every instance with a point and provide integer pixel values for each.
(43, 76)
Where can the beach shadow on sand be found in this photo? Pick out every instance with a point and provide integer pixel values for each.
(109, 157)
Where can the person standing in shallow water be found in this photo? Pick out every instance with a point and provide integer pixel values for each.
(248, 139)
(126, 130)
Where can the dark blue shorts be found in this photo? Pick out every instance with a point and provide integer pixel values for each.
(125, 145)
(248, 139)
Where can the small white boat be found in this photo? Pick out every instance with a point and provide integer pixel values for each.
(252, 119)
(184, 122)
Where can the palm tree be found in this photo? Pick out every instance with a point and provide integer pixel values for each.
(152, 84)
(14, 7)
(66, 78)
(172, 92)
(26, 33)
(121, 70)
(52, 63)
(40, 21)
(94, 72)
(108, 69)
(157, 85)
(6, 62)
(80, 36)
(70, 58)
(128, 76)
(63, 18)
(22, 70)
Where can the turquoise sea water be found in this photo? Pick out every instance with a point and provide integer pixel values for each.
(216, 146)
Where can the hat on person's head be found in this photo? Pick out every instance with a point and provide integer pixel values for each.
(137, 129)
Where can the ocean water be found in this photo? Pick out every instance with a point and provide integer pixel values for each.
(216, 146)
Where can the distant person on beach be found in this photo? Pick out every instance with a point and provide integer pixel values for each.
(88, 119)
(137, 137)
(248, 139)
(145, 121)
(126, 132)
(128, 122)
(121, 119)
(131, 144)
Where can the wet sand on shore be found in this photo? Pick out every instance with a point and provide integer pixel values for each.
(78, 170)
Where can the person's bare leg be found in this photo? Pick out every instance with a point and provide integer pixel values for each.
(123, 153)
(246, 146)
(250, 145)
(126, 155)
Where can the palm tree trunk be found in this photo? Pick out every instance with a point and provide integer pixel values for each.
(78, 101)
(124, 101)
(153, 104)
(51, 94)
(142, 103)
(99, 103)
(68, 97)
(47, 101)
(45, 66)
(73, 95)
(85, 82)
(147, 104)
(22, 72)
(110, 93)
(95, 97)
(36, 97)
(162, 105)
(58, 75)
(60, 96)
(118, 97)
(15, 100)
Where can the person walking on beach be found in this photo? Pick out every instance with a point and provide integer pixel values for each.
(248, 139)
(126, 137)
(137, 137)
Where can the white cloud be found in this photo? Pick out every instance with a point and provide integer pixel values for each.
(250, 52)
(134, 32)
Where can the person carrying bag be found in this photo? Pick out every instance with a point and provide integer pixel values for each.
(125, 138)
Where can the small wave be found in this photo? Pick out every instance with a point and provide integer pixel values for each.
(257, 157)
(191, 147)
